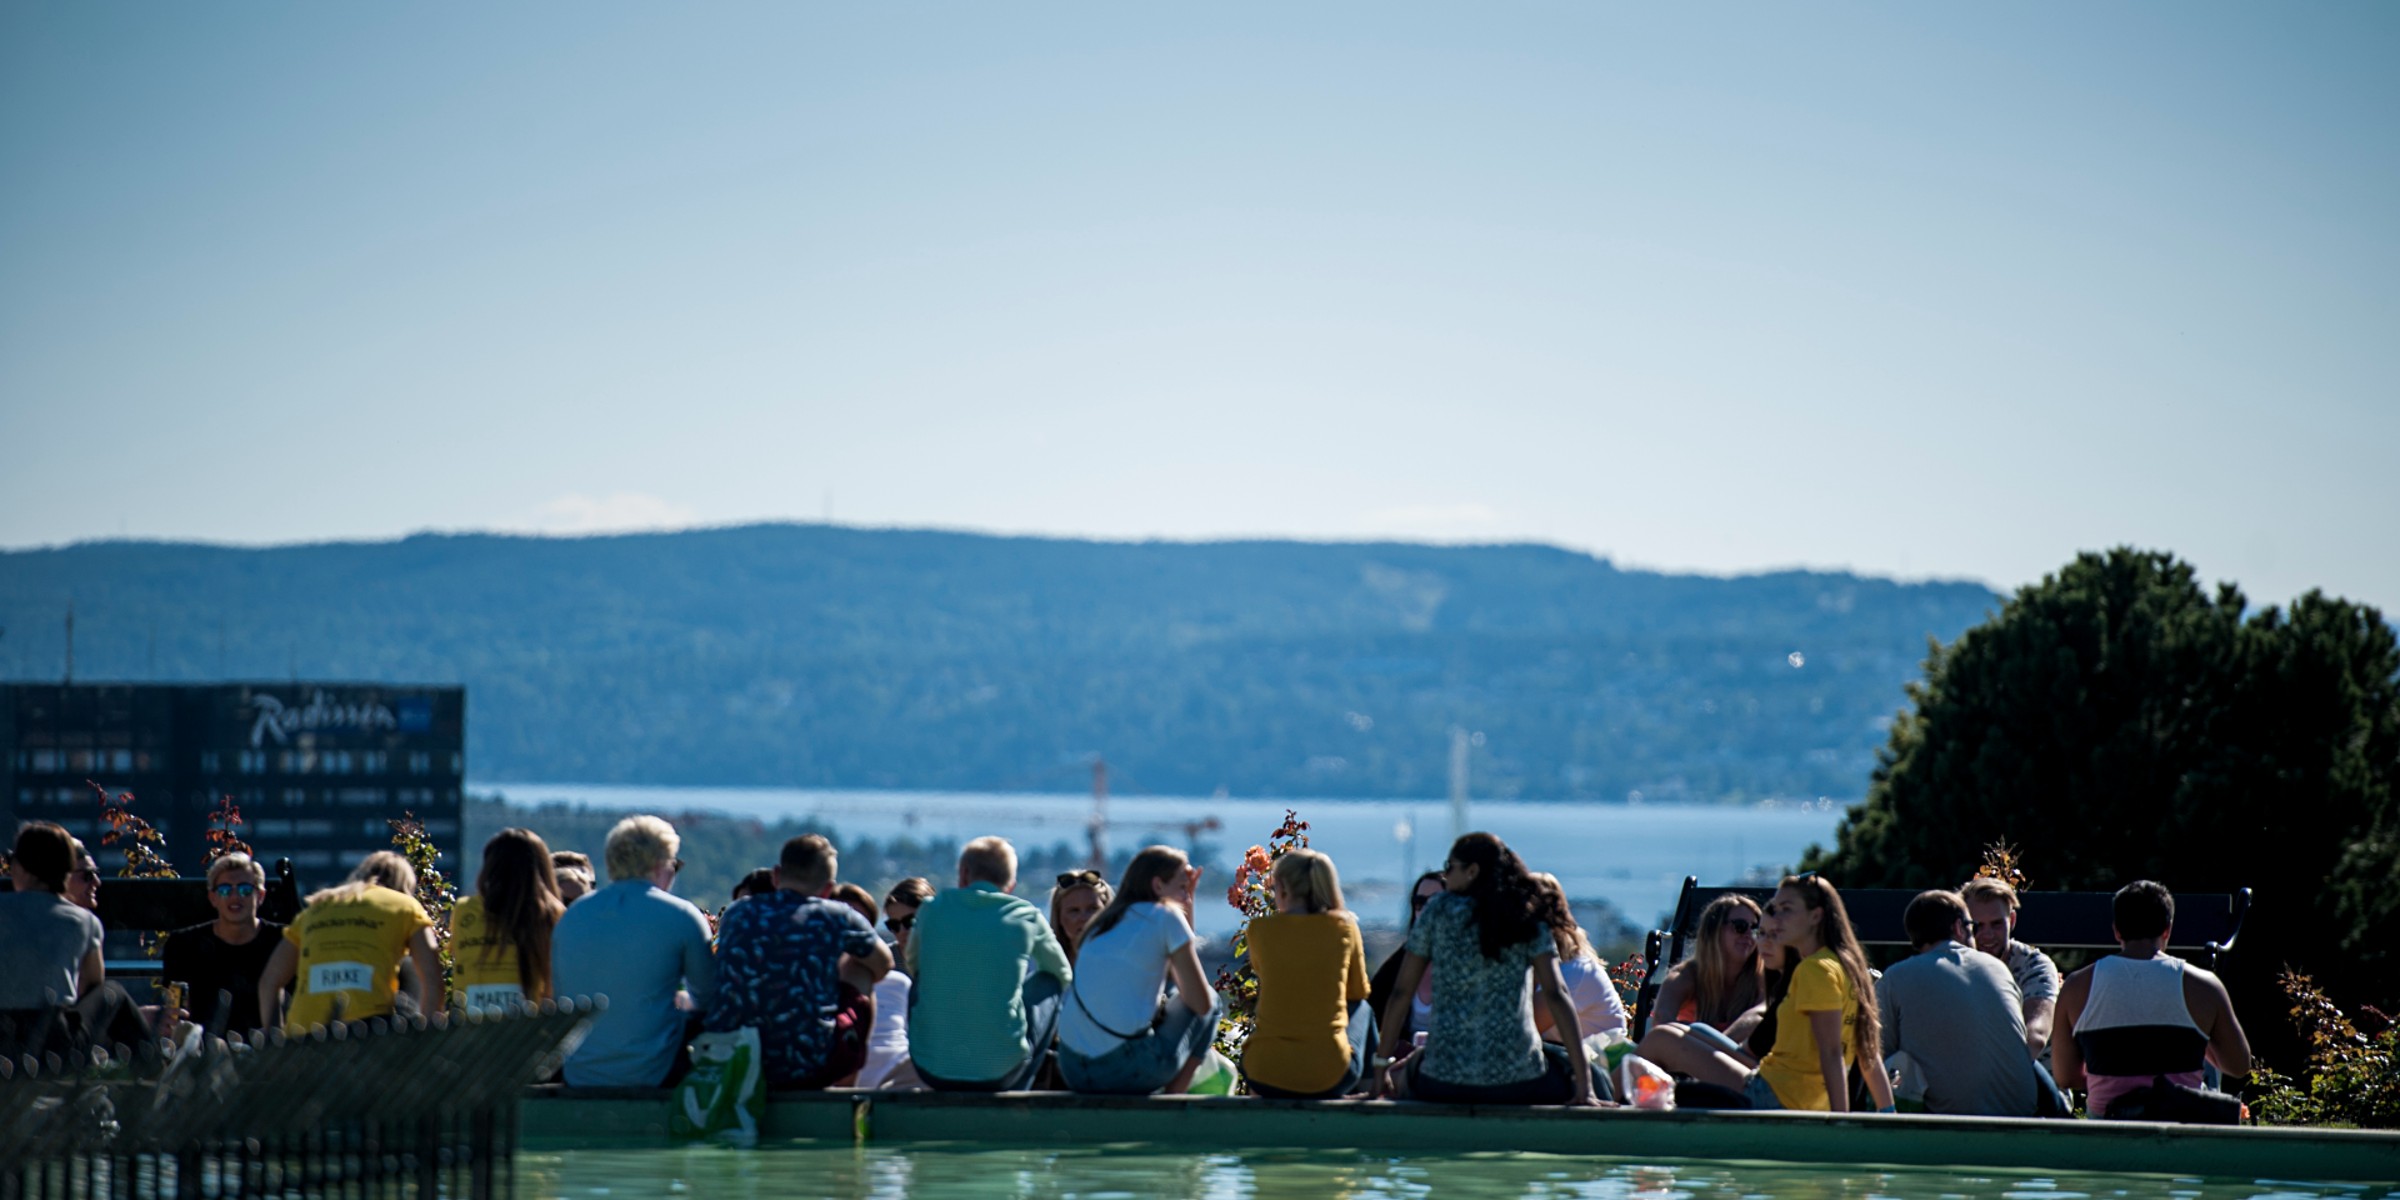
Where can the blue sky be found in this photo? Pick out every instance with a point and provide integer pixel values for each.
(1926, 290)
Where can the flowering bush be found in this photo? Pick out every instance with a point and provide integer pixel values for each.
(1628, 977)
(2349, 1079)
(142, 844)
(224, 833)
(1251, 895)
(433, 888)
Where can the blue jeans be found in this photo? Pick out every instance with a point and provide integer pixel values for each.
(1362, 1044)
(1040, 996)
(1139, 1066)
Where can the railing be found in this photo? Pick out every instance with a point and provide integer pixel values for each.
(402, 1108)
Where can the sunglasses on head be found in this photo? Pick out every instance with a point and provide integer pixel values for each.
(900, 924)
(1083, 878)
(236, 889)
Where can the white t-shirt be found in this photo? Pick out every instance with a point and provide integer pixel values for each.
(1120, 977)
(1597, 1005)
(887, 1045)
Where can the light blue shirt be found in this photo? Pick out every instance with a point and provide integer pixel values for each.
(636, 945)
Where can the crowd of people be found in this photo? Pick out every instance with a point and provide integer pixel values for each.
(1495, 997)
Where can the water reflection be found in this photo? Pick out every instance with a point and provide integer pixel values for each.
(936, 1172)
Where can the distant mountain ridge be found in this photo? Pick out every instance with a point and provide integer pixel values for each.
(826, 656)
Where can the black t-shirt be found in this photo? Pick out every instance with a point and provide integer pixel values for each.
(199, 957)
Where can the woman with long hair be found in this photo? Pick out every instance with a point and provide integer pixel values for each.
(1487, 940)
(1594, 994)
(1121, 1031)
(1825, 1020)
(343, 952)
(1721, 983)
(1079, 896)
(1315, 1025)
(500, 936)
(1379, 986)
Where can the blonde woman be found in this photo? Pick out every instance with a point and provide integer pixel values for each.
(1315, 1024)
(1079, 896)
(341, 955)
(1719, 985)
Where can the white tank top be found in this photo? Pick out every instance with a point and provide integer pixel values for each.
(2136, 991)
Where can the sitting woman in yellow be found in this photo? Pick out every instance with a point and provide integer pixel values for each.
(341, 955)
(1316, 1025)
(500, 936)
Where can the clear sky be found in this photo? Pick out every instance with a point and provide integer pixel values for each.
(1920, 289)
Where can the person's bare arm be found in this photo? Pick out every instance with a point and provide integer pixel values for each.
(2038, 1017)
(1395, 1010)
(2066, 1058)
(1671, 994)
(1870, 1068)
(91, 972)
(877, 962)
(2228, 1046)
(432, 997)
(1746, 1024)
(272, 981)
(1826, 1023)
(1553, 988)
(1191, 983)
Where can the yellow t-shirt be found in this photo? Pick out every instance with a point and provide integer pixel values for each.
(1311, 969)
(483, 973)
(350, 952)
(1819, 984)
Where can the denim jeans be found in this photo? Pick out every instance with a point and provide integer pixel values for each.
(1141, 1065)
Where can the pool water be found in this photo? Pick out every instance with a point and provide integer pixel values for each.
(1134, 1172)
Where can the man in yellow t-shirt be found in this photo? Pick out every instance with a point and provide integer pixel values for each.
(1818, 985)
(342, 954)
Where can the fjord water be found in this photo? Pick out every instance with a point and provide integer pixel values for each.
(1633, 856)
(1126, 1172)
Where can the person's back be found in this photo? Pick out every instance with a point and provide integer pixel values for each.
(485, 963)
(1312, 969)
(639, 945)
(1955, 1011)
(780, 970)
(2141, 1018)
(1483, 1033)
(350, 946)
(977, 954)
(44, 940)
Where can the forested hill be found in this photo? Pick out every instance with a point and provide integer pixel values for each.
(800, 655)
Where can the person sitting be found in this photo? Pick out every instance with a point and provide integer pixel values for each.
(760, 882)
(1487, 939)
(1826, 1020)
(1122, 1031)
(108, 1011)
(1955, 1012)
(1079, 896)
(988, 975)
(887, 1041)
(1316, 1024)
(220, 962)
(1379, 985)
(801, 968)
(2141, 1023)
(83, 883)
(500, 937)
(1593, 993)
(49, 948)
(644, 948)
(574, 872)
(341, 955)
(1720, 984)
(1992, 923)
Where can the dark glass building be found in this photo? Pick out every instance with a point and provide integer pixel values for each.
(317, 769)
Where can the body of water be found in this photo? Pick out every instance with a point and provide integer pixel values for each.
(1633, 856)
(1132, 1171)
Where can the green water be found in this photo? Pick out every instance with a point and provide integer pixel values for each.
(1133, 1172)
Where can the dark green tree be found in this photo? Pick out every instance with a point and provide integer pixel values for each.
(2117, 722)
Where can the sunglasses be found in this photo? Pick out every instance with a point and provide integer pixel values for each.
(1084, 878)
(679, 866)
(236, 889)
(86, 873)
(900, 924)
(1742, 926)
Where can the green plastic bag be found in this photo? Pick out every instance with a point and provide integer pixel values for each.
(725, 1097)
(1215, 1076)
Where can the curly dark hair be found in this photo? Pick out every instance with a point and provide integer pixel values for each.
(1509, 906)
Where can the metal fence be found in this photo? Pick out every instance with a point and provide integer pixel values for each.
(383, 1108)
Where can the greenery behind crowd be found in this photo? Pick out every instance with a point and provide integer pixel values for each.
(2117, 722)
(813, 656)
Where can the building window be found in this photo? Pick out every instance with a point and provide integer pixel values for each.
(458, 763)
(375, 762)
(420, 762)
(253, 762)
(120, 761)
(295, 797)
(210, 763)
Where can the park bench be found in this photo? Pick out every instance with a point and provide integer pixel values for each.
(159, 905)
(2206, 924)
